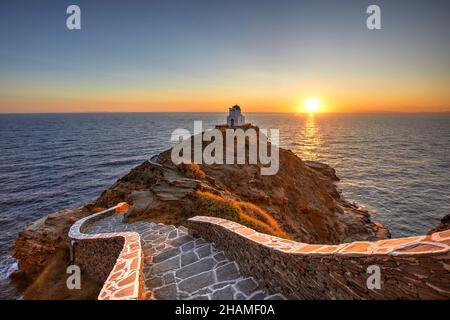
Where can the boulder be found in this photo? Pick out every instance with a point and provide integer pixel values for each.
(443, 225)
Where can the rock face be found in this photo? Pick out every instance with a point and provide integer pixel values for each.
(444, 225)
(300, 202)
(36, 244)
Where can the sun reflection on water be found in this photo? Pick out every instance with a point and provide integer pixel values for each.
(309, 139)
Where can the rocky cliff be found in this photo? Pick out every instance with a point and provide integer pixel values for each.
(42, 249)
(37, 243)
(300, 202)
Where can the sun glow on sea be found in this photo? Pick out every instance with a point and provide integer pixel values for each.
(312, 105)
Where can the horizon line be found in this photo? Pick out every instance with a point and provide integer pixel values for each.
(285, 112)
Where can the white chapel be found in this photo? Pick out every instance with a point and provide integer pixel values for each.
(235, 118)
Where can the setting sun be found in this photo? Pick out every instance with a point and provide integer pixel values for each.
(312, 105)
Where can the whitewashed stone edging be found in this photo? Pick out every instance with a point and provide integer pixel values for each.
(124, 281)
(411, 268)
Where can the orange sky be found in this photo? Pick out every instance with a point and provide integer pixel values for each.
(386, 90)
(415, 97)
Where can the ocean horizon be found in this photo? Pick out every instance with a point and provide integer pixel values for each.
(381, 112)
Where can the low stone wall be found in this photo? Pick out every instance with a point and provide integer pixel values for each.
(115, 259)
(97, 257)
(410, 268)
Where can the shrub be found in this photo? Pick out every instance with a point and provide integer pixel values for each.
(246, 213)
(192, 170)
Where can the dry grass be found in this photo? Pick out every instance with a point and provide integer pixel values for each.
(192, 170)
(242, 212)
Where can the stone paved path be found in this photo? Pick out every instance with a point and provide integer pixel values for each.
(178, 266)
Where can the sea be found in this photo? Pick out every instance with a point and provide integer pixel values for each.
(395, 165)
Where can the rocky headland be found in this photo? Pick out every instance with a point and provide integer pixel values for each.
(299, 203)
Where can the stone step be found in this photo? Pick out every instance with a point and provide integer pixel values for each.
(179, 266)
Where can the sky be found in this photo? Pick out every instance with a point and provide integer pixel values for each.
(191, 55)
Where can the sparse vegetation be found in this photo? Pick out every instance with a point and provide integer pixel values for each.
(192, 170)
(246, 213)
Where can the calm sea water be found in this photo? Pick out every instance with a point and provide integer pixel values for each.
(395, 165)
